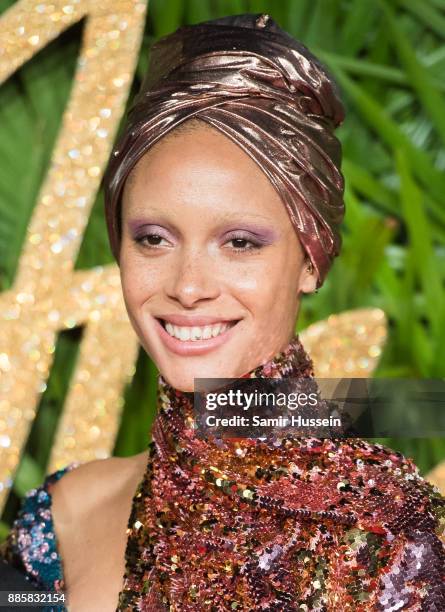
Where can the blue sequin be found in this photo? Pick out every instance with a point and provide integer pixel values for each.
(31, 545)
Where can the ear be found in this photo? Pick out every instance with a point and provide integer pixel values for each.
(307, 282)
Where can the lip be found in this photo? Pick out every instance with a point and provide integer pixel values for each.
(192, 347)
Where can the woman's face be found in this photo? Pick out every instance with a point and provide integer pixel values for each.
(211, 266)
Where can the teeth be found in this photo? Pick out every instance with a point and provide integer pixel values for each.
(183, 333)
(196, 333)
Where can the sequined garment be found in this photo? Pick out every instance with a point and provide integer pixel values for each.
(311, 524)
(308, 524)
(31, 545)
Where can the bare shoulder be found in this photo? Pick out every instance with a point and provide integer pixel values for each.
(91, 506)
(95, 484)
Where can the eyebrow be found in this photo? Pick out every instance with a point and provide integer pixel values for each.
(146, 218)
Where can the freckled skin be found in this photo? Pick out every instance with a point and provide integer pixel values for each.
(193, 189)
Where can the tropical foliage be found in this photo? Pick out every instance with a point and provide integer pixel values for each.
(388, 58)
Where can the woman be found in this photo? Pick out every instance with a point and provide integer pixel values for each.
(223, 202)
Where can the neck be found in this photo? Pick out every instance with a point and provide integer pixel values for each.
(175, 418)
(292, 361)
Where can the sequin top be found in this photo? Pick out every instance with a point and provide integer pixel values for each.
(297, 524)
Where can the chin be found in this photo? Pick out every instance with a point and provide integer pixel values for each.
(183, 379)
(184, 385)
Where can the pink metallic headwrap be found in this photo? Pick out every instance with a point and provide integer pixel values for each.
(252, 81)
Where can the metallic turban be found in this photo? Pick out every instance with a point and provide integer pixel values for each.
(251, 80)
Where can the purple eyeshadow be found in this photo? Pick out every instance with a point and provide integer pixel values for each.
(261, 233)
(137, 227)
(264, 235)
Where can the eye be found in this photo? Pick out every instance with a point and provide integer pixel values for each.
(242, 243)
(150, 240)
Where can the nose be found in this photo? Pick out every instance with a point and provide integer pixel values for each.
(193, 278)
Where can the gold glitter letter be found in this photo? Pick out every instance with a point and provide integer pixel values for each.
(48, 295)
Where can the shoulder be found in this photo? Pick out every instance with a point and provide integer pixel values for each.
(381, 487)
(410, 512)
(367, 461)
(90, 509)
(364, 457)
(394, 497)
(397, 526)
(60, 504)
(95, 483)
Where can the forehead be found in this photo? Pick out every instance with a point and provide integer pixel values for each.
(204, 169)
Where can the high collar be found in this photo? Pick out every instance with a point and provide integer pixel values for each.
(174, 429)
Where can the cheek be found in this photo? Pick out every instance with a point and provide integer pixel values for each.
(269, 287)
(139, 281)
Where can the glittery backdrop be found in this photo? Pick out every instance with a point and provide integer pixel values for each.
(48, 295)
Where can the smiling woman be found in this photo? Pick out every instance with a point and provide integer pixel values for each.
(207, 247)
(223, 201)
